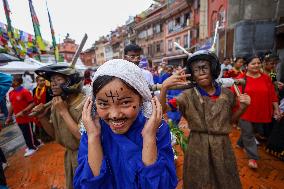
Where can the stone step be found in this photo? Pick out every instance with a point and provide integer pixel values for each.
(11, 139)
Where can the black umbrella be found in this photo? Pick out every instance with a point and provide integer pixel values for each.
(4, 58)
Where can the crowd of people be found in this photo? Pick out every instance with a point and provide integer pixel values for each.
(116, 137)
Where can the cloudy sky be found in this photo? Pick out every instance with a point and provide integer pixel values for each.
(76, 17)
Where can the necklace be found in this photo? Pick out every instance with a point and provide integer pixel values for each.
(37, 94)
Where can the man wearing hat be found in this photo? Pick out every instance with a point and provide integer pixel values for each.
(63, 122)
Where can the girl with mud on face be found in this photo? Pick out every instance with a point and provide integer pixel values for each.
(125, 143)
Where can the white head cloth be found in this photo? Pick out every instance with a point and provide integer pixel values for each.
(131, 74)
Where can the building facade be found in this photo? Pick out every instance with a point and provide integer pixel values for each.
(108, 51)
(150, 33)
(100, 50)
(179, 21)
(117, 39)
(88, 57)
(68, 48)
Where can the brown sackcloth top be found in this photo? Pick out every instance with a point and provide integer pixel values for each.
(209, 160)
(62, 134)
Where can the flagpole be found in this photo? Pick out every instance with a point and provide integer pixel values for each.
(10, 28)
(38, 38)
(55, 48)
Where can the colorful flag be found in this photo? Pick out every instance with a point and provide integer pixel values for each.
(36, 26)
(10, 29)
(55, 47)
(7, 13)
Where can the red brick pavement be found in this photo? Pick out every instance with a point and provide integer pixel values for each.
(42, 170)
(45, 169)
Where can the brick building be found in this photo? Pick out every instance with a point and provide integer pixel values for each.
(100, 50)
(217, 10)
(179, 20)
(68, 48)
(117, 39)
(150, 33)
(88, 57)
(108, 51)
(131, 33)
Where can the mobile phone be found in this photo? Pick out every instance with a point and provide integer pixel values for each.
(94, 108)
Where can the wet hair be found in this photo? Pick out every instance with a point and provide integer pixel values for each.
(102, 81)
(132, 47)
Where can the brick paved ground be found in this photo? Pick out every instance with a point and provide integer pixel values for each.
(44, 170)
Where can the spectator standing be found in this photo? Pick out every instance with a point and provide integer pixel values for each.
(226, 66)
(21, 103)
(264, 105)
(132, 53)
(5, 84)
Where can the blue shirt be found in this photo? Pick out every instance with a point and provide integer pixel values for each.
(122, 166)
(5, 84)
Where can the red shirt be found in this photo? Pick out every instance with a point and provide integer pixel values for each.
(262, 94)
(20, 98)
(233, 73)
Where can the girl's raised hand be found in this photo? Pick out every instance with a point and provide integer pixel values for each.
(91, 124)
(154, 122)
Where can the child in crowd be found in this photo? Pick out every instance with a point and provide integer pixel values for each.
(125, 143)
(209, 160)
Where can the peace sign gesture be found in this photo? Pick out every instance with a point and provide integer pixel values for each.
(177, 79)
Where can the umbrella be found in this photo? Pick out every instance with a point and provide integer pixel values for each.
(4, 58)
(18, 67)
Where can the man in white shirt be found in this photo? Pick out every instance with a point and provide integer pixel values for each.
(226, 66)
(132, 53)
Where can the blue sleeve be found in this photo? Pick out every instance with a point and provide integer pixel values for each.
(162, 174)
(5, 84)
(84, 178)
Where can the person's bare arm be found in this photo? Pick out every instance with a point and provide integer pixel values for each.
(43, 115)
(26, 110)
(93, 128)
(163, 100)
(10, 113)
(174, 80)
(149, 132)
(244, 103)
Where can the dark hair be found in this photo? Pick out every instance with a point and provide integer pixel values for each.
(18, 78)
(132, 47)
(37, 77)
(227, 58)
(238, 58)
(250, 57)
(87, 74)
(27, 73)
(101, 81)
